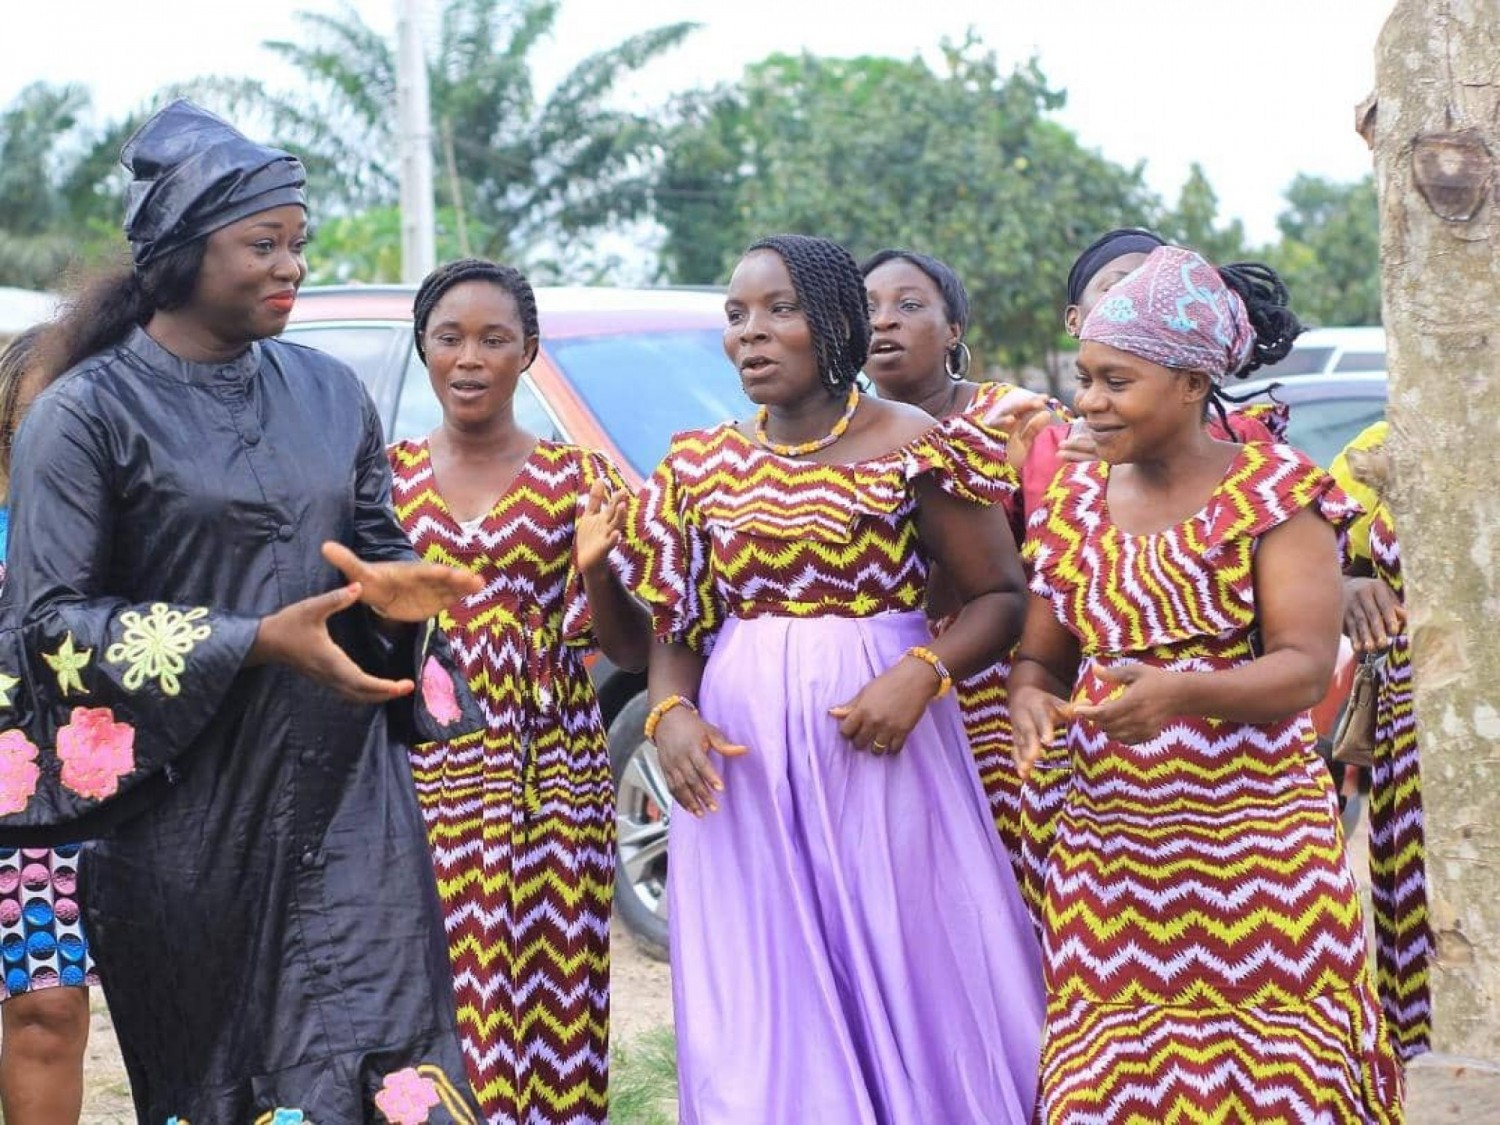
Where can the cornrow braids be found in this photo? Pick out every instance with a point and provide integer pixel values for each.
(446, 276)
(831, 291)
(940, 273)
(1267, 302)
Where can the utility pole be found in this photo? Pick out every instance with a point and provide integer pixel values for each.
(418, 253)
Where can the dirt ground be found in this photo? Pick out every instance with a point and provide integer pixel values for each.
(1440, 1089)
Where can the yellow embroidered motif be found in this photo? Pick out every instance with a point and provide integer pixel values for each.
(67, 662)
(7, 685)
(155, 646)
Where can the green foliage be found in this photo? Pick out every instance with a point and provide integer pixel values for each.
(522, 179)
(1329, 252)
(965, 163)
(643, 1080)
(59, 192)
(1194, 222)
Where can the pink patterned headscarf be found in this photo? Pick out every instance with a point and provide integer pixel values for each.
(1175, 310)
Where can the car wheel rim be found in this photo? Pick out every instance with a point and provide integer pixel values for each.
(643, 814)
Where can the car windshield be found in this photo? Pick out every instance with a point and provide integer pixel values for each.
(1299, 361)
(645, 386)
(1322, 428)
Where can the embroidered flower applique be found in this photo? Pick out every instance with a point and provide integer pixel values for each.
(95, 751)
(407, 1098)
(68, 663)
(18, 771)
(155, 646)
(438, 693)
(1117, 310)
(283, 1116)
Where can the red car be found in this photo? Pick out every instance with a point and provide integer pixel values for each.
(619, 370)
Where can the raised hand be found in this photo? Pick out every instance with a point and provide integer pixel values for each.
(600, 527)
(684, 739)
(297, 636)
(403, 591)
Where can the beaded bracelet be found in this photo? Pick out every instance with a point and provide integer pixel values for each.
(930, 658)
(659, 712)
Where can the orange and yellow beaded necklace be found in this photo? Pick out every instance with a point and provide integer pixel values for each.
(763, 415)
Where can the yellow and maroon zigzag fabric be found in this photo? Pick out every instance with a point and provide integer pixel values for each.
(521, 817)
(1205, 953)
(725, 527)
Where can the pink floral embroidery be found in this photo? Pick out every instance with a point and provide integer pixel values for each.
(438, 693)
(18, 771)
(95, 752)
(406, 1098)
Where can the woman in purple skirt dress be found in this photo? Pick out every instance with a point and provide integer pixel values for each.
(848, 943)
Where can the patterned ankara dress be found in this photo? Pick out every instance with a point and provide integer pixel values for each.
(1045, 789)
(1398, 871)
(521, 818)
(848, 943)
(1205, 954)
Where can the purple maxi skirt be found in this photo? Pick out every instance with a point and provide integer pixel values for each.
(848, 943)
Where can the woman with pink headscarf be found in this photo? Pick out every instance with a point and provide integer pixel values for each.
(1205, 954)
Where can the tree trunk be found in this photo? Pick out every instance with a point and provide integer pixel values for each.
(1436, 135)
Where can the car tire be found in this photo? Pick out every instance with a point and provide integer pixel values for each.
(643, 811)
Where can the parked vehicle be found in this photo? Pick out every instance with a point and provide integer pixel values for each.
(1328, 351)
(619, 370)
(1328, 411)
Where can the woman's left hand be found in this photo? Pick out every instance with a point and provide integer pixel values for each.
(1141, 711)
(600, 527)
(403, 591)
(882, 715)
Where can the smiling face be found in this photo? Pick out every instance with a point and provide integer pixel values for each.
(1133, 406)
(476, 349)
(250, 275)
(1110, 274)
(909, 326)
(768, 337)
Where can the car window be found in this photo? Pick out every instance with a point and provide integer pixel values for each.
(1300, 361)
(645, 386)
(368, 348)
(418, 412)
(1321, 428)
(1361, 361)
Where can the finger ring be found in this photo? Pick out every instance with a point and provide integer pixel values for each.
(880, 745)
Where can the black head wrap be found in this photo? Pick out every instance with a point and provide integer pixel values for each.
(193, 173)
(1105, 249)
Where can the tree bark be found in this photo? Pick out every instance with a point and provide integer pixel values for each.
(1436, 135)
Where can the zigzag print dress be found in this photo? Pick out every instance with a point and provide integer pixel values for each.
(521, 819)
(1205, 954)
(1398, 867)
(848, 943)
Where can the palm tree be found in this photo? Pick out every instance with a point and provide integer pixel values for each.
(513, 174)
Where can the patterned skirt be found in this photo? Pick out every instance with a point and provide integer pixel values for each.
(41, 932)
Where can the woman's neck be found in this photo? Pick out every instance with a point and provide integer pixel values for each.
(812, 417)
(190, 340)
(937, 395)
(495, 437)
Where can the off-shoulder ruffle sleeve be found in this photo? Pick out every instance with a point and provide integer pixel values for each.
(966, 459)
(667, 555)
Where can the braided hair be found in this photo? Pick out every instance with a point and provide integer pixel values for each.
(831, 291)
(445, 277)
(16, 362)
(1267, 302)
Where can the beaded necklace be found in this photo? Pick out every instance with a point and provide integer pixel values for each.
(763, 415)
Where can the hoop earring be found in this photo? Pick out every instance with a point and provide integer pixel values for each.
(956, 361)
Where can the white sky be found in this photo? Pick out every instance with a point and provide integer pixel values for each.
(1255, 92)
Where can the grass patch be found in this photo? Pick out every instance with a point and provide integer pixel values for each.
(643, 1080)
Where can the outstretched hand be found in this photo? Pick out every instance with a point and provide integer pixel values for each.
(403, 591)
(601, 526)
(297, 636)
(1141, 711)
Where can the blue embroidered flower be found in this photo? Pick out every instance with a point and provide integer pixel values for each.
(288, 1117)
(1117, 310)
